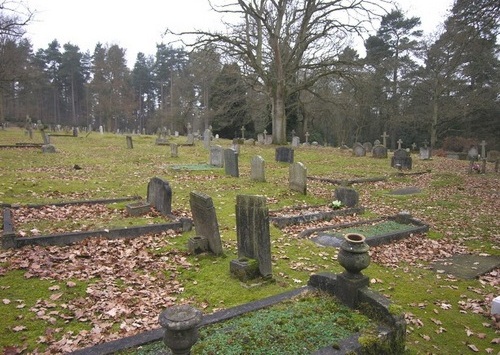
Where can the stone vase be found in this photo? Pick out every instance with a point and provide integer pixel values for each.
(181, 328)
(353, 255)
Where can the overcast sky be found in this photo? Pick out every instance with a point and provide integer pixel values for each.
(139, 25)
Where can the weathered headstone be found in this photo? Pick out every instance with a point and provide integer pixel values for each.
(257, 172)
(401, 159)
(207, 137)
(45, 137)
(358, 150)
(216, 156)
(101, 129)
(174, 152)
(190, 139)
(48, 148)
(307, 138)
(473, 154)
(425, 153)
(348, 196)
(368, 147)
(298, 178)
(160, 195)
(284, 154)
(483, 149)
(231, 163)
(205, 220)
(130, 144)
(295, 141)
(377, 142)
(75, 131)
(260, 138)
(252, 229)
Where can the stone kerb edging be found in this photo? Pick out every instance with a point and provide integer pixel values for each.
(391, 329)
(282, 222)
(11, 240)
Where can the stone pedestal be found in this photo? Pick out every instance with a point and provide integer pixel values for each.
(197, 245)
(244, 269)
(181, 328)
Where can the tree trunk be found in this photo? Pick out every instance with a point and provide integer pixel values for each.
(434, 122)
(279, 117)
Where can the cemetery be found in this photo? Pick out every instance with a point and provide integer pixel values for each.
(139, 242)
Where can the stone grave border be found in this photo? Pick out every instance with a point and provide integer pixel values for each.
(420, 227)
(347, 182)
(282, 222)
(11, 240)
(22, 145)
(391, 329)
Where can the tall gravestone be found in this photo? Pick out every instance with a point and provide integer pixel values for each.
(231, 163)
(130, 144)
(207, 137)
(160, 195)
(295, 141)
(252, 229)
(298, 178)
(205, 220)
(257, 172)
(216, 156)
(284, 154)
(174, 152)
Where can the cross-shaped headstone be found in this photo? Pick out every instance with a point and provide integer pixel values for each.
(265, 133)
(384, 139)
(307, 137)
(399, 142)
(425, 143)
(483, 149)
(243, 132)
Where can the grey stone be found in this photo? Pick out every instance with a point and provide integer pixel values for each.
(348, 196)
(252, 228)
(260, 138)
(358, 150)
(130, 144)
(467, 266)
(207, 137)
(379, 152)
(298, 178)
(425, 153)
(410, 190)
(401, 160)
(368, 147)
(48, 148)
(257, 172)
(473, 154)
(216, 156)
(160, 195)
(190, 139)
(231, 163)
(205, 220)
(174, 151)
(295, 142)
(284, 154)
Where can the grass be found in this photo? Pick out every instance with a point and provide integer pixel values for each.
(450, 201)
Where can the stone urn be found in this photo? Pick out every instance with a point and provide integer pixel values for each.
(353, 255)
(181, 328)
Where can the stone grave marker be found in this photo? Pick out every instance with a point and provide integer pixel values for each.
(75, 131)
(160, 195)
(401, 159)
(260, 138)
(307, 138)
(207, 136)
(295, 141)
(48, 148)
(368, 147)
(174, 152)
(130, 144)
(425, 153)
(190, 139)
(257, 172)
(284, 154)
(473, 154)
(379, 152)
(205, 220)
(384, 139)
(231, 163)
(358, 150)
(377, 142)
(348, 196)
(45, 137)
(483, 149)
(297, 178)
(253, 237)
(101, 129)
(216, 156)
(236, 148)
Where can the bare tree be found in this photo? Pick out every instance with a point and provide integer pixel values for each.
(285, 46)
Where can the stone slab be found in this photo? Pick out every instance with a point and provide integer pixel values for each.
(467, 266)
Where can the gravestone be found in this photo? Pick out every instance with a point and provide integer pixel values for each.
(257, 172)
(284, 154)
(101, 129)
(297, 178)
(216, 156)
(130, 144)
(472, 154)
(358, 150)
(384, 139)
(160, 195)
(295, 141)
(425, 153)
(207, 137)
(75, 131)
(252, 230)
(307, 138)
(368, 147)
(190, 139)
(48, 148)
(231, 162)
(493, 156)
(483, 149)
(174, 152)
(268, 140)
(401, 159)
(205, 220)
(45, 137)
(260, 138)
(377, 142)
(236, 148)
(348, 196)
(379, 152)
